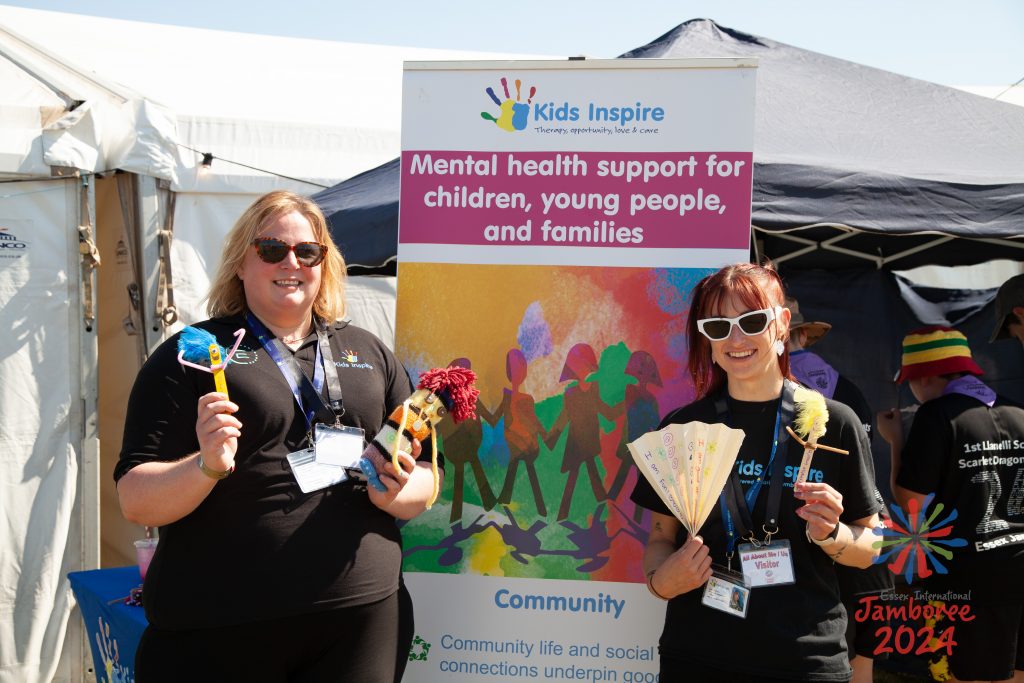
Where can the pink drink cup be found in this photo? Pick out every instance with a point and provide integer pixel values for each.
(144, 550)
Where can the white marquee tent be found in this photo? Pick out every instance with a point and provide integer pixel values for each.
(103, 206)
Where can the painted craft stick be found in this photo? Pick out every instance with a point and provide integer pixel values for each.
(440, 391)
(196, 346)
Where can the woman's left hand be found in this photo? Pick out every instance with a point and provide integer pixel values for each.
(822, 508)
(394, 481)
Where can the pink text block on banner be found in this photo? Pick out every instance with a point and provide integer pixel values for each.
(606, 199)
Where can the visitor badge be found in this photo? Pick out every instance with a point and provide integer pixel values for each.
(767, 565)
(312, 475)
(338, 445)
(726, 591)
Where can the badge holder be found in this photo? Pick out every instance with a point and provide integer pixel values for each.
(767, 564)
(312, 475)
(338, 445)
(727, 591)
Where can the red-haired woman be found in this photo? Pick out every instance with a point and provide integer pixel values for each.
(774, 542)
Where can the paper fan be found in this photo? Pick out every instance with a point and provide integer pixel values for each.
(688, 465)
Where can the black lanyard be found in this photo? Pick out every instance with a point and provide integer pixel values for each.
(307, 394)
(736, 508)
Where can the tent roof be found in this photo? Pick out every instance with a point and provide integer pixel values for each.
(853, 165)
(57, 115)
(311, 109)
(864, 149)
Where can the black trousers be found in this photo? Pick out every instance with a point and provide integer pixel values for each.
(361, 644)
(675, 671)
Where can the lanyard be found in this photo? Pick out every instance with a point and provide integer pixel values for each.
(306, 394)
(736, 507)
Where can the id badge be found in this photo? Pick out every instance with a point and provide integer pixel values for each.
(726, 591)
(312, 475)
(338, 445)
(767, 565)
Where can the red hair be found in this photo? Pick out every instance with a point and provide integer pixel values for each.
(757, 287)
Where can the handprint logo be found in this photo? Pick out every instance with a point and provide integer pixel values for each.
(109, 654)
(514, 114)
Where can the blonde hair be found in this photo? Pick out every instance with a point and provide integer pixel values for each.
(227, 295)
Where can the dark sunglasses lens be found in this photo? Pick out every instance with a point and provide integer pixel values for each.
(717, 329)
(271, 251)
(309, 253)
(754, 323)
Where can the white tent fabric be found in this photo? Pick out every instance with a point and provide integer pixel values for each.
(309, 109)
(40, 426)
(63, 117)
(92, 95)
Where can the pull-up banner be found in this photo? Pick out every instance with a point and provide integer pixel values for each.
(554, 217)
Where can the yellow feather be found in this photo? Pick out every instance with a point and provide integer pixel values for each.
(811, 413)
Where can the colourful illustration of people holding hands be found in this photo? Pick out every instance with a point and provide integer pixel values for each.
(522, 430)
(583, 405)
(461, 446)
(642, 414)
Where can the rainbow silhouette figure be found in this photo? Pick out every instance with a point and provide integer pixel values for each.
(514, 114)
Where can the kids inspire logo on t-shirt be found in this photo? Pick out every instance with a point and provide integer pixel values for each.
(751, 470)
(350, 359)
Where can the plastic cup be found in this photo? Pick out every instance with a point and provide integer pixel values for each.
(144, 549)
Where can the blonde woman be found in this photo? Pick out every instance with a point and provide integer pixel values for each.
(253, 578)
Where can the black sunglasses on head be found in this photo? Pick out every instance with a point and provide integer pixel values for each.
(272, 250)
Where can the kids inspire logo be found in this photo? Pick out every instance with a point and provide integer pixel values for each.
(514, 114)
(568, 117)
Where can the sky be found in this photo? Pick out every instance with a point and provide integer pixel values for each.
(952, 42)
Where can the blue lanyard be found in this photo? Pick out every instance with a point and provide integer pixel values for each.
(306, 395)
(751, 496)
(731, 498)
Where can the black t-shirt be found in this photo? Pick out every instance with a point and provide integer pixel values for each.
(257, 547)
(848, 394)
(971, 457)
(795, 631)
(877, 578)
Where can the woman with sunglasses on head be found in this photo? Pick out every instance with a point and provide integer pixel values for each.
(269, 569)
(775, 542)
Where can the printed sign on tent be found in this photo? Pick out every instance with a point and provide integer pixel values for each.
(554, 218)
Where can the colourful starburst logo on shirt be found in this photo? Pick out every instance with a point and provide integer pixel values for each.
(914, 541)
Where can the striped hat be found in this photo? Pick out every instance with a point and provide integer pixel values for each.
(936, 351)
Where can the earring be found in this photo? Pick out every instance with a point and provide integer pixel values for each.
(779, 347)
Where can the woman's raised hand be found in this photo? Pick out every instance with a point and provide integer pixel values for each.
(217, 430)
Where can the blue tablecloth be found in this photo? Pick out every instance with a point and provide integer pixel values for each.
(114, 627)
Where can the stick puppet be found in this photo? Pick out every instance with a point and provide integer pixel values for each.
(197, 346)
(811, 417)
(440, 391)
